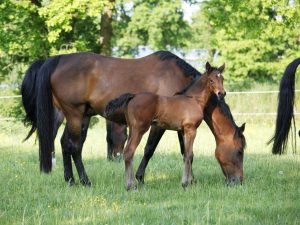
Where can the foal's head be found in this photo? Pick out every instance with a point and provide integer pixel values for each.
(215, 79)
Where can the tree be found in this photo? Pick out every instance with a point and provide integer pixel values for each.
(106, 29)
(158, 24)
(256, 39)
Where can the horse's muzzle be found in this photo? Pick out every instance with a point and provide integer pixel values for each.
(234, 180)
(221, 95)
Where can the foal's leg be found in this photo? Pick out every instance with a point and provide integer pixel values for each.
(189, 136)
(77, 155)
(182, 148)
(154, 137)
(135, 137)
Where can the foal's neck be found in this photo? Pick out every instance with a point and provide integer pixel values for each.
(200, 91)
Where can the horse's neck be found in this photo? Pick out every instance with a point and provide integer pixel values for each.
(220, 125)
(200, 92)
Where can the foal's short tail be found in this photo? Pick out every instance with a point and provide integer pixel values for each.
(28, 91)
(45, 113)
(117, 103)
(285, 110)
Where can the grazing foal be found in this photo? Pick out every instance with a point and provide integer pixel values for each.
(181, 113)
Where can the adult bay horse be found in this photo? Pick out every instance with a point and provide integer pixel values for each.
(183, 112)
(81, 84)
(285, 110)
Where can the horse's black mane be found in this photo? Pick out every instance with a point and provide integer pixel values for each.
(187, 69)
(225, 109)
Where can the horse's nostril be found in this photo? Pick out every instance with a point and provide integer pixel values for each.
(220, 94)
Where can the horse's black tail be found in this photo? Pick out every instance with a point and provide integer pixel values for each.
(45, 113)
(28, 92)
(116, 104)
(285, 110)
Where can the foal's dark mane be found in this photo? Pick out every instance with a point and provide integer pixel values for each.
(188, 70)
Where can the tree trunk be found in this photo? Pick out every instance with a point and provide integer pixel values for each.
(36, 2)
(106, 31)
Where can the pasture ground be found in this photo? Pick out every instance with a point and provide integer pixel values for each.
(270, 193)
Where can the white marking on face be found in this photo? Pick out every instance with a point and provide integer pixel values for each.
(219, 74)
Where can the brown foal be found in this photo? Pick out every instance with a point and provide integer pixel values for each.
(181, 113)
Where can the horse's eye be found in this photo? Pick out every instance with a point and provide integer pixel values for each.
(240, 152)
(211, 81)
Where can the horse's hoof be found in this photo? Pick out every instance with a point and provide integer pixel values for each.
(70, 181)
(86, 183)
(140, 179)
(184, 184)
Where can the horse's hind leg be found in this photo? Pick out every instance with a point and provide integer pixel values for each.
(154, 137)
(66, 152)
(72, 142)
(77, 155)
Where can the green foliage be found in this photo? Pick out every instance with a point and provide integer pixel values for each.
(22, 35)
(32, 30)
(73, 25)
(158, 24)
(256, 39)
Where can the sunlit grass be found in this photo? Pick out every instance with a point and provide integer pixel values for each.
(269, 195)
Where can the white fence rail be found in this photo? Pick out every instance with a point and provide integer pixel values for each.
(257, 114)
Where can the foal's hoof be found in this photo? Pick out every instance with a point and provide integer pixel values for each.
(131, 187)
(184, 184)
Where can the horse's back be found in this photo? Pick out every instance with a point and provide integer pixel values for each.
(88, 78)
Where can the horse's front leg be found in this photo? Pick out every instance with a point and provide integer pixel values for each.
(189, 137)
(135, 137)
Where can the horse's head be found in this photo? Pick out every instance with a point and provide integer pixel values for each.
(215, 79)
(230, 155)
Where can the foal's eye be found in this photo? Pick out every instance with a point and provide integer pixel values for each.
(211, 81)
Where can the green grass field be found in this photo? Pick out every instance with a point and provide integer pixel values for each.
(270, 193)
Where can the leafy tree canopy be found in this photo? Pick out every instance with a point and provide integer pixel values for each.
(256, 39)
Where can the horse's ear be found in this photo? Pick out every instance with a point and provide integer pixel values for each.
(208, 67)
(221, 68)
(242, 128)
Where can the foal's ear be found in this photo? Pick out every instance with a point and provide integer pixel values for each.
(208, 67)
(242, 128)
(221, 68)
